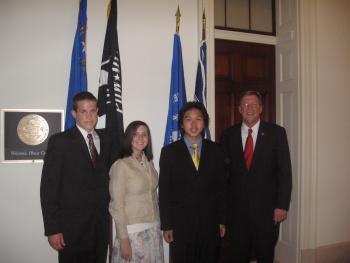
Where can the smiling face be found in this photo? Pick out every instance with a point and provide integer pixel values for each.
(140, 139)
(85, 114)
(193, 124)
(250, 108)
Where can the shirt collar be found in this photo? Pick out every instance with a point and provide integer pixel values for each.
(85, 133)
(255, 127)
(189, 142)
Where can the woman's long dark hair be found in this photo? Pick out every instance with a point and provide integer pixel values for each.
(129, 135)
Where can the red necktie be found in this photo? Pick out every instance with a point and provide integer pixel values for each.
(248, 149)
(92, 149)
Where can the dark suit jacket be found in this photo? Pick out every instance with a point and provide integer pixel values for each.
(254, 195)
(74, 194)
(191, 202)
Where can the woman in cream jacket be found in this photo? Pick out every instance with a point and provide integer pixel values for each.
(134, 205)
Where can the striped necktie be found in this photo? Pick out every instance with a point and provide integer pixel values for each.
(92, 149)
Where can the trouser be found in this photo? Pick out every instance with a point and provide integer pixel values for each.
(94, 252)
(252, 244)
(197, 251)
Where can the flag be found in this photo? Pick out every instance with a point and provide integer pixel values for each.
(200, 93)
(110, 89)
(78, 78)
(177, 95)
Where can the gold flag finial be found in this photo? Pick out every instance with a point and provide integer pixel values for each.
(178, 15)
(204, 23)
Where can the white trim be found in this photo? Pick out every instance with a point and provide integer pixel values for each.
(309, 122)
(246, 37)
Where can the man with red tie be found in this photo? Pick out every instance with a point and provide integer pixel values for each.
(74, 187)
(260, 182)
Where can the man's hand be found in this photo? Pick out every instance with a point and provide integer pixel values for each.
(56, 241)
(222, 230)
(279, 215)
(125, 249)
(168, 236)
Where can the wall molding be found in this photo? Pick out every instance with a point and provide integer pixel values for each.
(327, 254)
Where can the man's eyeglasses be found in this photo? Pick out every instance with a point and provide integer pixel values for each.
(250, 106)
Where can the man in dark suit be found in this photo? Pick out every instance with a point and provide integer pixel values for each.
(260, 182)
(74, 187)
(191, 191)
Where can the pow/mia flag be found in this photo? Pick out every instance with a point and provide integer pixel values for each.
(110, 90)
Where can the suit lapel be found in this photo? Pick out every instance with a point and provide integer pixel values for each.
(187, 157)
(205, 160)
(203, 157)
(238, 144)
(102, 144)
(78, 137)
(259, 145)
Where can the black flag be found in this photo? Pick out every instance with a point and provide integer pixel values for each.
(110, 90)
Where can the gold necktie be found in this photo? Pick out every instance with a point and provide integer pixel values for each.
(195, 156)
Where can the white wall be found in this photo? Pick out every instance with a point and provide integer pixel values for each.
(35, 52)
(333, 210)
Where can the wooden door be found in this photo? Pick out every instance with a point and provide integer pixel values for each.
(241, 66)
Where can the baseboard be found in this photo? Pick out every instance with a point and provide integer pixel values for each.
(335, 253)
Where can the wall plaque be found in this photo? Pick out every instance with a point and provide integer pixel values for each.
(25, 133)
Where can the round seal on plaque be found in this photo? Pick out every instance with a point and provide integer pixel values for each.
(32, 129)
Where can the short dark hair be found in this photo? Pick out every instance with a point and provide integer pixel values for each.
(130, 132)
(193, 105)
(84, 95)
(251, 93)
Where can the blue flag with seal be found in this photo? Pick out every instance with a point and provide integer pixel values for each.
(177, 95)
(200, 93)
(78, 76)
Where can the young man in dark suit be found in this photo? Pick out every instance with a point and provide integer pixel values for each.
(74, 187)
(192, 191)
(260, 182)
